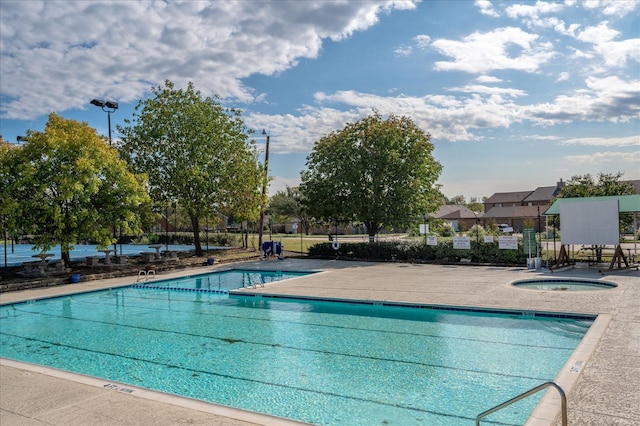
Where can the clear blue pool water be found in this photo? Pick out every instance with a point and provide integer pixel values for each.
(20, 253)
(222, 281)
(326, 363)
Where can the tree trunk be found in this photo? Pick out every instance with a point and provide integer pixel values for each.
(372, 229)
(195, 225)
(66, 258)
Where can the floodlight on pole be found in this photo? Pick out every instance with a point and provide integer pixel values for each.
(477, 234)
(264, 190)
(108, 107)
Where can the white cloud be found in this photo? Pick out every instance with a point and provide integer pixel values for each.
(531, 15)
(614, 53)
(612, 7)
(403, 51)
(533, 11)
(462, 117)
(422, 41)
(297, 133)
(280, 183)
(446, 117)
(543, 137)
(478, 88)
(56, 55)
(484, 52)
(488, 79)
(604, 99)
(561, 27)
(598, 158)
(615, 141)
(563, 76)
(486, 8)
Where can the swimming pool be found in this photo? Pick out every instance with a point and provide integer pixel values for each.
(20, 253)
(223, 281)
(327, 363)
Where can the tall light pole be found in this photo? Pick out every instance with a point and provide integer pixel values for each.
(425, 221)
(265, 180)
(477, 234)
(108, 107)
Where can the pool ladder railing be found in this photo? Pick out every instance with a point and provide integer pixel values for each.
(253, 283)
(563, 398)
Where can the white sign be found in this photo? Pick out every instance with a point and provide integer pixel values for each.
(424, 228)
(432, 240)
(488, 239)
(508, 242)
(462, 243)
(590, 222)
(295, 227)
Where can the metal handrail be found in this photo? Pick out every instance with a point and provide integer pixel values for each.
(563, 398)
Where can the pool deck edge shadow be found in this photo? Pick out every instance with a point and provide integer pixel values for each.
(606, 387)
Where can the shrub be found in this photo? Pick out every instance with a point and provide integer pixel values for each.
(416, 251)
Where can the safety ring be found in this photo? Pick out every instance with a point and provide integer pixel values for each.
(335, 245)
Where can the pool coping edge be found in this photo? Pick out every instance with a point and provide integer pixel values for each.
(162, 397)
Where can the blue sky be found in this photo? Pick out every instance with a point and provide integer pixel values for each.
(515, 94)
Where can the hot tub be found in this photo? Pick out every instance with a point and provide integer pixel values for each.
(562, 284)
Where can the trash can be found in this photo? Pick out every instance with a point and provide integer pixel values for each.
(74, 278)
(211, 261)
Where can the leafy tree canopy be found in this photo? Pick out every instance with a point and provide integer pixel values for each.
(196, 154)
(66, 184)
(377, 171)
(8, 202)
(607, 184)
(289, 204)
(459, 200)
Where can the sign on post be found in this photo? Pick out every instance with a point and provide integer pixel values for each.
(529, 241)
(462, 243)
(508, 242)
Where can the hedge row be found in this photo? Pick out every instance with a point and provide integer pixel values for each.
(414, 251)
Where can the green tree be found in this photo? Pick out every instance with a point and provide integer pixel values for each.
(377, 171)
(607, 184)
(475, 205)
(8, 203)
(66, 184)
(195, 152)
(289, 203)
(458, 200)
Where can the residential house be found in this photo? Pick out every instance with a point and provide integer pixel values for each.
(517, 208)
(459, 217)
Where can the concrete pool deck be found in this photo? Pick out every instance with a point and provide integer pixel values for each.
(602, 378)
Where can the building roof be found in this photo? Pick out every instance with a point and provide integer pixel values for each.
(626, 203)
(454, 211)
(507, 197)
(542, 193)
(512, 212)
